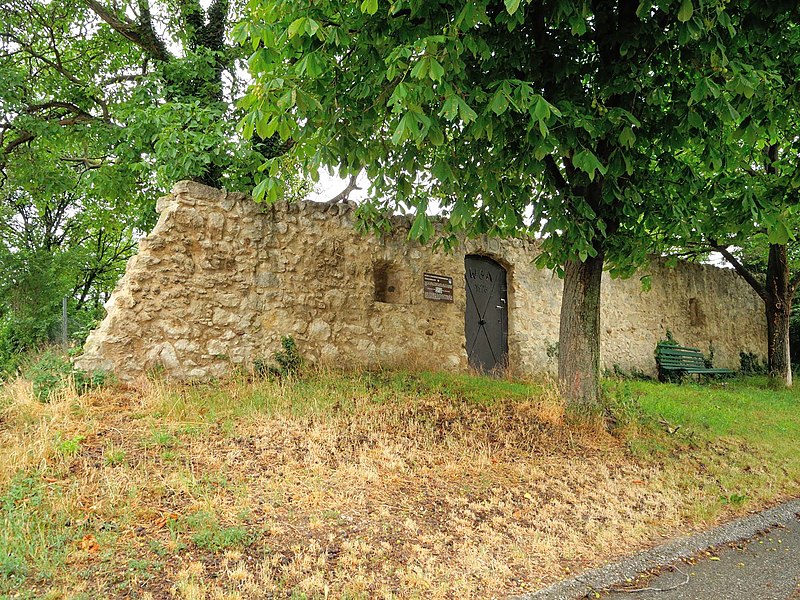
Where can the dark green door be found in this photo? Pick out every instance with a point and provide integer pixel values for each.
(486, 318)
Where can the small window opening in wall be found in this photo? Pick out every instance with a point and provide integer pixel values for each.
(697, 317)
(386, 280)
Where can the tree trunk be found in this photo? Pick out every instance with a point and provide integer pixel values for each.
(579, 336)
(778, 307)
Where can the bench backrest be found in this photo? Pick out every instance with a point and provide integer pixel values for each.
(679, 356)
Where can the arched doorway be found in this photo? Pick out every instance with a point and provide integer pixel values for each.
(486, 317)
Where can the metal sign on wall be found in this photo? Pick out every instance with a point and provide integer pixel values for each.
(438, 288)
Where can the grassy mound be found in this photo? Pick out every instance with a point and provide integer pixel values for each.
(368, 485)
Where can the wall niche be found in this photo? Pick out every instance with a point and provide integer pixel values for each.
(388, 283)
(697, 318)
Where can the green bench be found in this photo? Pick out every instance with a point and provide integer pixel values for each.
(679, 360)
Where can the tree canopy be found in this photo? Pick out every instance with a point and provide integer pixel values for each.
(743, 152)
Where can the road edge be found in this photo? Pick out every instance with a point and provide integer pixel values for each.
(664, 554)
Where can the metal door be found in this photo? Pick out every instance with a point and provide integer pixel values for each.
(486, 318)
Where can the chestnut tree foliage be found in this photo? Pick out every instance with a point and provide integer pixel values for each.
(748, 204)
(555, 118)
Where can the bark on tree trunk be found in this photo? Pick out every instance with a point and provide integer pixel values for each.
(579, 336)
(778, 306)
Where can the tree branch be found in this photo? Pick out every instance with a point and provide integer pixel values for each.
(142, 33)
(345, 193)
(561, 183)
(794, 282)
(759, 287)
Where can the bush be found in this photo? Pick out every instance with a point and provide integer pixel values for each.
(18, 337)
(52, 371)
(288, 360)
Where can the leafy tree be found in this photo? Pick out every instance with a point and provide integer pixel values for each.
(143, 86)
(559, 110)
(103, 105)
(744, 149)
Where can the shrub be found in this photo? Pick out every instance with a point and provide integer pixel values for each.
(750, 364)
(51, 371)
(288, 360)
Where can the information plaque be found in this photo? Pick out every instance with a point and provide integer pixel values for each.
(438, 288)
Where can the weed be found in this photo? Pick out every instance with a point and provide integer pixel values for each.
(209, 534)
(33, 535)
(636, 374)
(750, 364)
(51, 371)
(48, 374)
(68, 447)
(621, 405)
(288, 360)
(114, 456)
(734, 499)
(163, 439)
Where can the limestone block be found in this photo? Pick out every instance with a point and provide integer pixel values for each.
(319, 330)
(217, 348)
(163, 355)
(216, 222)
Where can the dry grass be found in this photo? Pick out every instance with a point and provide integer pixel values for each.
(362, 486)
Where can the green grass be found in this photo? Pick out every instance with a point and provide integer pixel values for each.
(207, 533)
(34, 535)
(717, 449)
(733, 441)
(320, 393)
(745, 408)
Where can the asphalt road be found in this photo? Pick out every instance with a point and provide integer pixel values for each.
(765, 567)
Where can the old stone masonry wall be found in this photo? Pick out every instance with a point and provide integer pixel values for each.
(220, 279)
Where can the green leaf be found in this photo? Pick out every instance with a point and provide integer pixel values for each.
(779, 233)
(499, 103)
(436, 136)
(511, 6)
(465, 112)
(696, 121)
(586, 161)
(296, 26)
(311, 27)
(627, 137)
(686, 11)
(421, 228)
(400, 132)
(461, 213)
(540, 109)
(369, 6)
(449, 108)
(436, 70)
(420, 70)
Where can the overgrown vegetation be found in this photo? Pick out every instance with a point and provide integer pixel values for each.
(368, 484)
(287, 361)
(51, 371)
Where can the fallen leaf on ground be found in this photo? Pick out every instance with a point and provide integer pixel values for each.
(89, 544)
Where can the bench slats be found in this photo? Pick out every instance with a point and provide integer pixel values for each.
(684, 359)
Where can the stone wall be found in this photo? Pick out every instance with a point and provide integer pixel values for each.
(220, 279)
